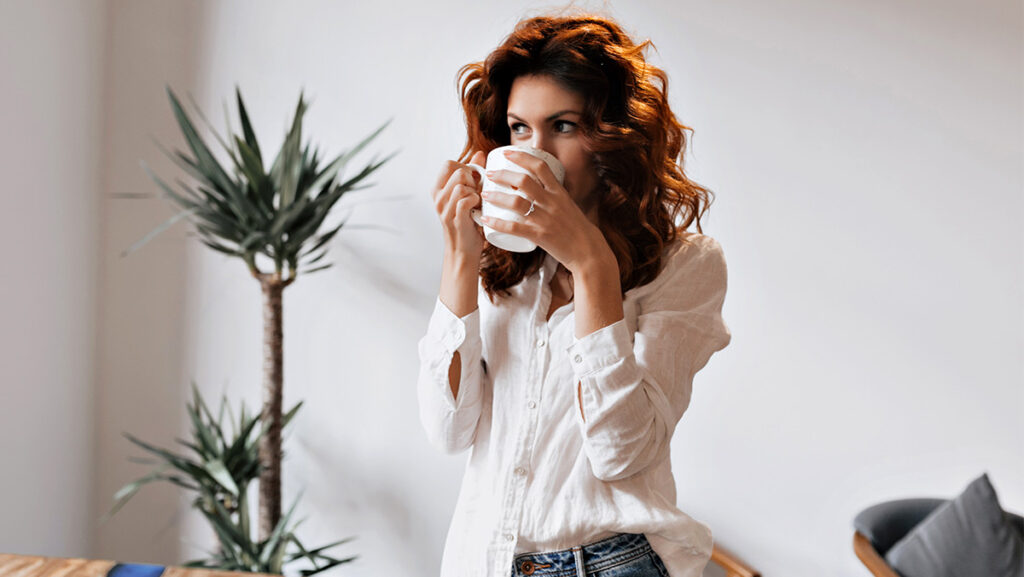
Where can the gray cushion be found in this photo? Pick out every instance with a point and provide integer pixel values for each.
(968, 536)
(886, 523)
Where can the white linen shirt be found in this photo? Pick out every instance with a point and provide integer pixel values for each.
(541, 476)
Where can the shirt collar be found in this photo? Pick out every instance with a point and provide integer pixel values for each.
(547, 270)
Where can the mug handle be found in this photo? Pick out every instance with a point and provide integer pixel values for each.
(475, 213)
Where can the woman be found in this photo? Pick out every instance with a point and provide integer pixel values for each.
(566, 369)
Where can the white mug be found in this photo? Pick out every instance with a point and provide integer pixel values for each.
(496, 161)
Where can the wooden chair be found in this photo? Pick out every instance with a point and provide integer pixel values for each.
(870, 557)
(879, 527)
(732, 565)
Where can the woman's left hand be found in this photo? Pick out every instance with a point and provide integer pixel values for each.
(556, 224)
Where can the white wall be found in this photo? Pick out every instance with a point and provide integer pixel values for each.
(867, 162)
(51, 56)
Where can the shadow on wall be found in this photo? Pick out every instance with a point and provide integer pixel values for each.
(141, 385)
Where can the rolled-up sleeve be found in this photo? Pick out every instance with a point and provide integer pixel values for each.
(635, 386)
(450, 423)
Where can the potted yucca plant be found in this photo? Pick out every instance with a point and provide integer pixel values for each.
(250, 210)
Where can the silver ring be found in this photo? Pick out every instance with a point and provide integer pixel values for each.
(533, 205)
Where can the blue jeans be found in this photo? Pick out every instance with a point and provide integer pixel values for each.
(624, 555)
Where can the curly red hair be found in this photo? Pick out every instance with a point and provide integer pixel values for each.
(636, 141)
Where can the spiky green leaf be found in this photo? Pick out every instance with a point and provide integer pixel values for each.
(250, 135)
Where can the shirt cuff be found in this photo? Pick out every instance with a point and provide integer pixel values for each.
(450, 330)
(601, 348)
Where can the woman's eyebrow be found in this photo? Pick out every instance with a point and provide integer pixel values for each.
(552, 117)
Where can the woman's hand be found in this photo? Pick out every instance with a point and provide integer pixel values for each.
(455, 195)
(556, 224)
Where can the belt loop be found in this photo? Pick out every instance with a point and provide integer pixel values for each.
(581, 570)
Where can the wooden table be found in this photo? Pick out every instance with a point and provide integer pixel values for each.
(29, 566)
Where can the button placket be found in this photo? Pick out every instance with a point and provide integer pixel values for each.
(535, 381)
(542, 360)
(530, 425)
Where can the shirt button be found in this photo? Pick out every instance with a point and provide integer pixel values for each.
(520, 471)
(578, 359)
(509, 537)
(541, 343)
(532, 404)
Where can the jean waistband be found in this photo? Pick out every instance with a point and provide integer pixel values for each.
(595, 556)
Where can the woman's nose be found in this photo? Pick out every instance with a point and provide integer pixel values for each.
(539, 141)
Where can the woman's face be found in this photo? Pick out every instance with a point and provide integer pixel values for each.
(545, 115)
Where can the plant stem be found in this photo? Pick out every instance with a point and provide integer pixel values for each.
(270, 442)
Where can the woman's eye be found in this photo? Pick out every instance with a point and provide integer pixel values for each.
(561, 127)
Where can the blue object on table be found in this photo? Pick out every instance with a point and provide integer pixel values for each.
(135, 570)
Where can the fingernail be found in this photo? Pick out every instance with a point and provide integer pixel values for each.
(485, 193)
(490, 173)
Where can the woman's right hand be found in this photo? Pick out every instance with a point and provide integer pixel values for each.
(455, 195)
